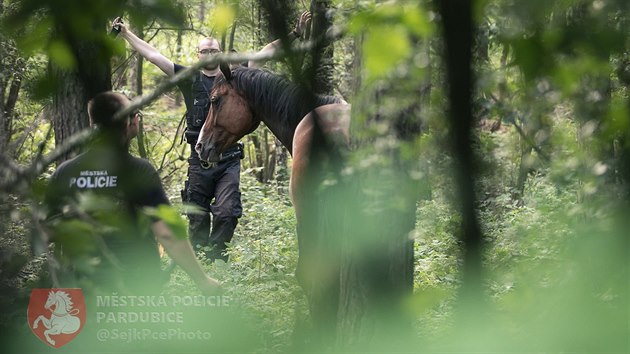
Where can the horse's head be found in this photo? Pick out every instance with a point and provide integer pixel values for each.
(51, 300)
(230, 118)
(60, 300)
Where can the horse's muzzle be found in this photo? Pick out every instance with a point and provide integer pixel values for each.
(208, 152)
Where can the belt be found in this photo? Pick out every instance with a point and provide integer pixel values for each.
(224, 157)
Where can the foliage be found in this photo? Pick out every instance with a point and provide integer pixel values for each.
(263, 256)
(551, 106)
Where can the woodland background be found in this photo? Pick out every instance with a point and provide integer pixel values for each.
(494, 134)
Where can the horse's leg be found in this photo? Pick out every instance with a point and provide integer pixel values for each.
(54, 331)
(334, 121)
(37, 321)
(297, 191)
(318, 263)
(43, 320)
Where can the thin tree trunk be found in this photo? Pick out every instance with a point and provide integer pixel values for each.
(258, 161)
(179, 48)
(457, 26)
(202, 11)
(282, 173)
(232, 35)
(7, 109)
(265, 157)
(4, 123)
(142, 151)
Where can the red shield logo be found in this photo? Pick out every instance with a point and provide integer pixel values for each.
(56, 316)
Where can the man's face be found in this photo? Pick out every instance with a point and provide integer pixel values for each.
(206, 48)
(133, 121)
(133, 125)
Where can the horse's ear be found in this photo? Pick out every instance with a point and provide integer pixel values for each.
(225, 69)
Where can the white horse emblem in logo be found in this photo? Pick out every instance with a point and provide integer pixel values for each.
(63, 317)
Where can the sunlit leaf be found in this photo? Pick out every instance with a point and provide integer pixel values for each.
(619, 118)
(383, 48)
(91, 202)
(171, 217)
(31, 38)
(222, 17)
(61, 54)
(414, 18)
(417, 20)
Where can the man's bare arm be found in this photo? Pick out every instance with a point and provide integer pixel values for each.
(182, 253)
(145, 49)
(300, 28)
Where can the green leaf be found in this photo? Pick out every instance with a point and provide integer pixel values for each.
(171, 217)
(91, 203)
(60, 53)
(383, 48)
(223, 17)
(417, 21)
(531, 56)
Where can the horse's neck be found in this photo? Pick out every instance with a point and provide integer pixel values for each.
(283, 120)
(284, 131)
(282, 104)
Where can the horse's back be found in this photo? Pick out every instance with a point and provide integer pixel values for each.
(334, 120)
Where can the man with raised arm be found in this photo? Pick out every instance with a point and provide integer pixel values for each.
(213, 188)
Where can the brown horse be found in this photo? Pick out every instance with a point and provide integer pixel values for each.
(242, 98)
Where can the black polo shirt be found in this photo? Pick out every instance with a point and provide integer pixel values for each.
(109, 231)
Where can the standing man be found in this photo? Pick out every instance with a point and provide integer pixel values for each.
(124, 256)
(213, 188)
(206, 183)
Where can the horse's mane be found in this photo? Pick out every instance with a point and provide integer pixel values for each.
(65, 297)
(273, 97)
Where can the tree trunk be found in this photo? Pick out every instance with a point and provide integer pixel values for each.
(268, 159)
(178, 46)
(201, 15)
(458, 27)
(323, 64)
(69, 107)
(282, 173)
(7, 110)
(142, 151)
(232, 35)
(258, 153)
(77, 86)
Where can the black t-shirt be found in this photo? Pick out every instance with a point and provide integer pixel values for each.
(197, 103)
(109, 231)
(186, 86)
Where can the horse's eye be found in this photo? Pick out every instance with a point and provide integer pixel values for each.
(214, 99)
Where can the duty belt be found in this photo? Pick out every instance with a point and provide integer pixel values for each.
(223, 157)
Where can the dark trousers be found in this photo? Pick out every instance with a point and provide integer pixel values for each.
(216, 191)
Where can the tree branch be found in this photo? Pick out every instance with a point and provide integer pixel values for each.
(17, 175)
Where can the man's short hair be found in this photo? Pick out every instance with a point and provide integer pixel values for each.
(211, 39)
(103, 107)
